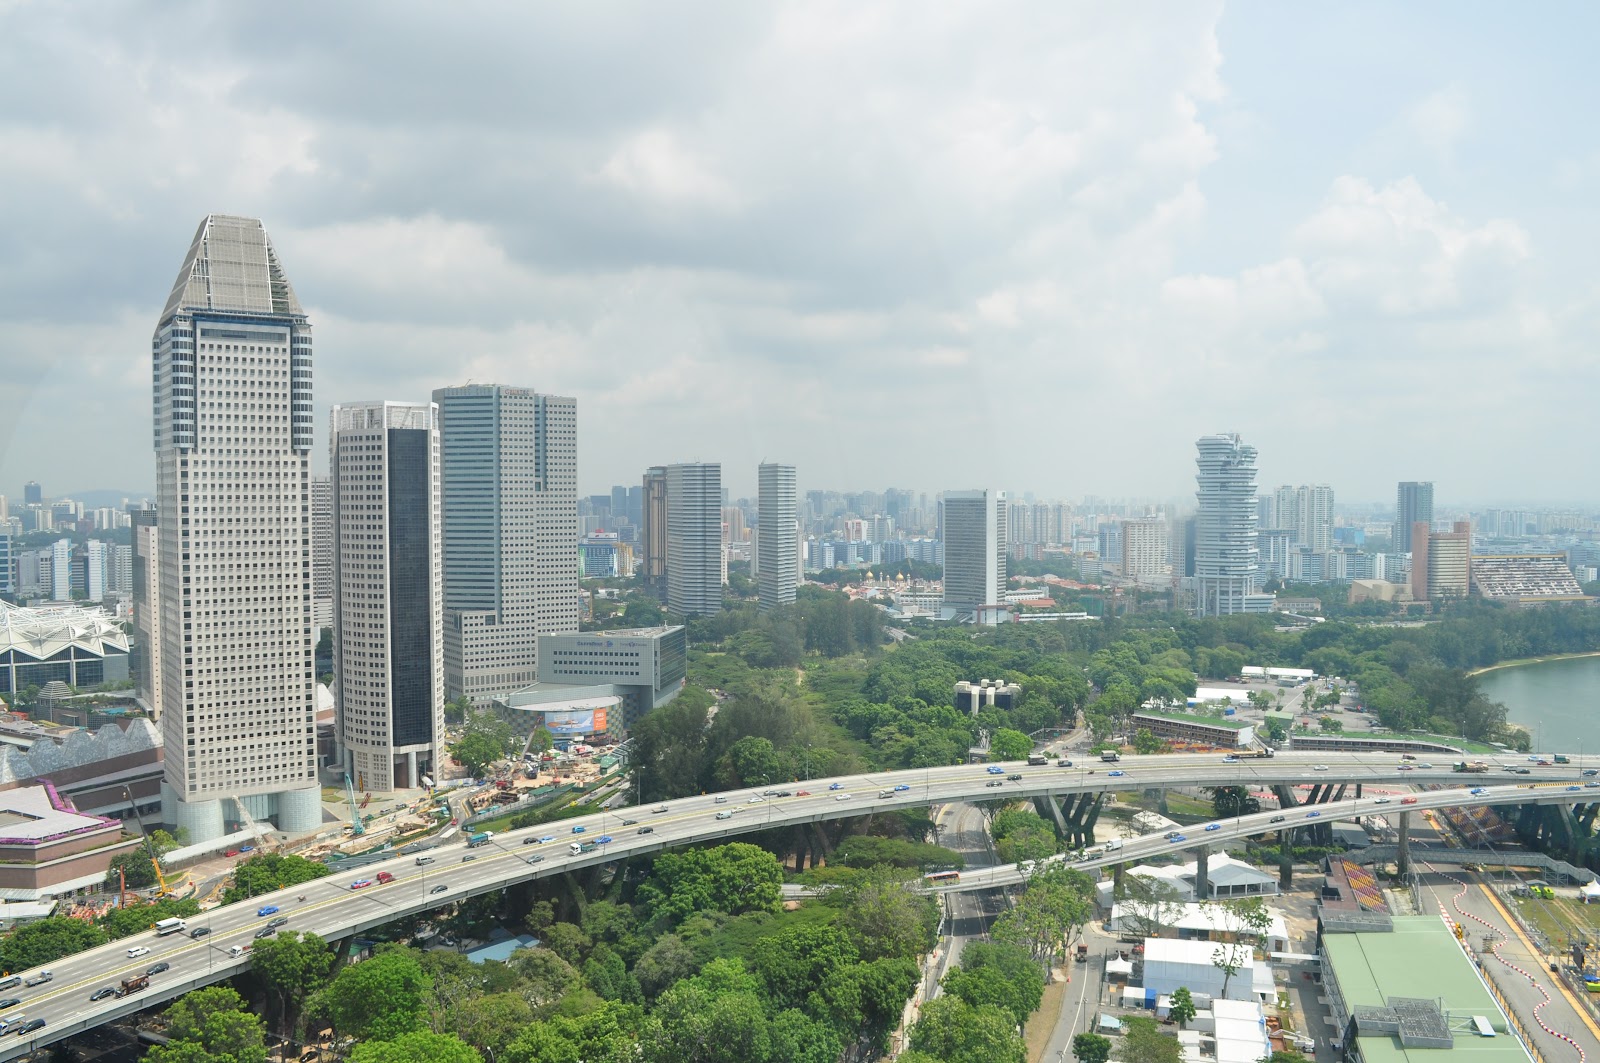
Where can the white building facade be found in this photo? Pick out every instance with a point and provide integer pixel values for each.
(388, 602)
(231, 359)
(696, 565)
(1226, 568)
(778, 544)
(974, 553)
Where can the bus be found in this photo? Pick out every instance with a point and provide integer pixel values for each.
(942, 876)
(169, 926)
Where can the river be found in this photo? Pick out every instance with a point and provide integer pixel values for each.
(1558, 701)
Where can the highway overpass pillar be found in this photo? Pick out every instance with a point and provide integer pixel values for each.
(1403, 848)
(1202, 881)
(1285, 857)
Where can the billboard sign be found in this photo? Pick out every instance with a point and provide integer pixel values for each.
(575, 721)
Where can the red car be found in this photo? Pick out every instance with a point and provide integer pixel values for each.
(1408, 800)
(802, 793)
(231, 852)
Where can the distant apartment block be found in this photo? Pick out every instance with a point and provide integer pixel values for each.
(974, 555)
(696, 562)
(1144, 548)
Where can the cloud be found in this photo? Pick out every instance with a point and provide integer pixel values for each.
(1440, 119)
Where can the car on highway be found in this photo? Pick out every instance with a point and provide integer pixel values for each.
(1276, 819)
(905, 787)
(756, 799)
(1569, 788)
(200, 931)
(547, 838)
(1381, 801)
(1523, 771)
(530, 841)
(536, 859)
(30, 1026)
(769, 793)
(102, 993)
(469, 858)
(1230, 759)
(994, 782)
(282, 920)
(440, 888)
(1319, 767)
(725, 814)
(1115, 774)
(629, 822)
(786, 793)
(841, 797)
(1479, 791)
(1313, 815)
(1534, 757)
(802, 793)
(1063, 763)
(158, 968)
(1425, 766)
(1408, 800)
(1405, 767)
(719, 800)
(579, 829)
(1171, 834)
(995, 769)
(266, 910)
(1177, 838)
(361, 883)
(231, 852)
(656, 811)
(137, 951)
(1014, 777)
(1591, 772)
(1591, 785)
(604, 839)
(44, 976)
(836, 786)
(645, 830)
(266, 932)
(1213, 826)
(10, 1002)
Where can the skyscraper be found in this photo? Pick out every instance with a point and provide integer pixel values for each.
(694, 538)
(321, 552)
(974, 553)
(510, 467)
(778, 542)
(61, 570)
(232, 386)
(32, 494)
(1314, 517)
(1225, 564)
(388, 631)
(8, 582)
(1413, 504)
(653, 530)
(145, 651)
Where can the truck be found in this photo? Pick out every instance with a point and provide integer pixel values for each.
(1473, 767)
(583, 847)
(1562, 758)
(169, 926)
(1037, 759)
(1254, 754)
(1111, 756)
(477, 839)
(136, 984)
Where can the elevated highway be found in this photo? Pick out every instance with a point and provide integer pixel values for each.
(334, 910)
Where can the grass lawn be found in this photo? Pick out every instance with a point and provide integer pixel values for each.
(1042, 1022)
(1558, 919)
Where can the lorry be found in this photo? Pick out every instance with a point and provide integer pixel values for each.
(1254, 754)
(137, 984)
(477, 839)
(169, 926)
(1083, 954)
(1037, 759)
(1110, 756)
(584, 847)
(1562, 758)
(1474, 767)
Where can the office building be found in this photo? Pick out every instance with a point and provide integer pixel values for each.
(1441, 562)
(388, 602)
(232, 433)
(603, 681)
(1226, 566)
(61, 570)
(778, 546)
(603, 555)
(510, 467)
(975, 549)
(696, 564)
(1144, 548)
(1313, 526)
(32, 494)
(1413, 504)
(653, 530)
(1109, 539)
(321, 552)
(8, 562)
(145, 660)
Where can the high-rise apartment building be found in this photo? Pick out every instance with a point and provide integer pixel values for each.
(510, 467)
(1413, 504)
(145, 653)
(1226, 567)
(1313, 524)
(321, 552)
(388, 631)
(696, 567)
(231, 357)
(1441, 562)
(653, 530)
(61, 570)
(8, 562)
(778, 544)
(975, 549)
(1144, 548)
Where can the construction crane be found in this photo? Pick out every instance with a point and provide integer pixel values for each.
(149, 848)
(356, 826)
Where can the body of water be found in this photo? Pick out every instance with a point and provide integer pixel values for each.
(1558, 701)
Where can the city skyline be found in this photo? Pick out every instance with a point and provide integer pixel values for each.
(1008, 239)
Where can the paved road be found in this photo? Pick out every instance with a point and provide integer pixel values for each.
(335, 910)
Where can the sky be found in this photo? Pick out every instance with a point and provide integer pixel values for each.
(1040, 246)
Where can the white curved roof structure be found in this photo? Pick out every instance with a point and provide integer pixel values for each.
(43, 633)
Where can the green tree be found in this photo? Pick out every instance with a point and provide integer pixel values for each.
(954, 1031)
(46, 941)
(1241, 919)
(133, 869)
(419, 1046)
(1146, 742)
(1143, 1042)
(1007, 744)
(456, 711)
(715, 1017)
(1022, 835)
(1148, 905)
(546, 977)
(212, 1024)
(568, 942)
(292, 967)
(1091, 1048)
(1274, 730)
(266, 872)
(487, 1021)
(1183, 1009)
(751, 762)
(885, 914)
(135, 919)
(608, 1033)
(664, 963)
(1002, 975)
(485, 739)
(794, 962)
(607, 974)
(1053, 907)
(1331, 724)
(378, 999)
(733, 878)
(1228, 802)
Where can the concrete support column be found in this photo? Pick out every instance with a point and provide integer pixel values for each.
(1202, 884)
(1403, 848)
(1285, 858)
(299, 811)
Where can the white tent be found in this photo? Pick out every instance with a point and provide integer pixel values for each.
(1589, 892)
(1116, 967)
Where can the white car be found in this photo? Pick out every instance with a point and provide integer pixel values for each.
(841, 797)
(755, 799)
(1381, 801)
(1319, 767)
(137, 951)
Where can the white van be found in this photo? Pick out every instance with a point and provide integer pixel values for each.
(424, 860)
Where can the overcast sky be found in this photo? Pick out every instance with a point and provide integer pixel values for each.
(1037, 245)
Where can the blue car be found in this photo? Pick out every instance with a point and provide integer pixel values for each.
(995, 769)
(1313, 815)
(1213, 826)
(1478, 791)
(1177, 838)
(836, 786)
(1569, 788)
(578, 830)
(1116, 774)
(267, 909)
(547, 838)
(605, 839)
(902, 788)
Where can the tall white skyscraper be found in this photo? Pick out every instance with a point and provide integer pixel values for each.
(388, 602)
(510, 467)
(1314, 517)
(321, 552)
(1226, 568)
(231, 359)
(974, 526)
(778, 544)
(695, 566)
(61, 570)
